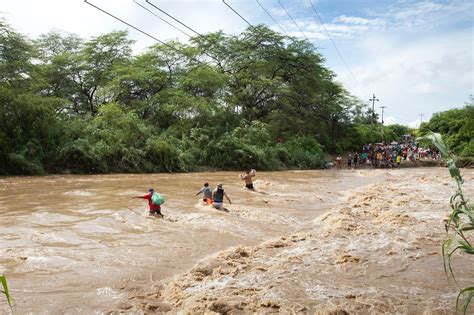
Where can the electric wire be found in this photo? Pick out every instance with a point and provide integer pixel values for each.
(273, 19)
(124, 22)
(177, 28)
(275, 22)
(178, 50)
(159, 17)
(334, 44)
(143, 32)
(169, 15)
(213, 42)
(294, 22)
(238, 13)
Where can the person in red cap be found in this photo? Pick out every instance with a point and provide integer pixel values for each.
(154, 209)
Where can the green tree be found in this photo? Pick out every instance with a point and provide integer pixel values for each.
(264, 99)
(457, 127)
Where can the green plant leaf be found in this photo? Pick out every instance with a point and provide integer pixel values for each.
(437, 140)
(470, 294)
(454, 170)
(3, 280)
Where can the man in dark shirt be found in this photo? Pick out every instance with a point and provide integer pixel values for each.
(218, 197)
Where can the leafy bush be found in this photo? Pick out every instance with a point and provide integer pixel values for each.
(76, 156)
(229, 152)
(468, 150)
(368, 134)
(162, 155)
(132, 160)
(24, 165)
(256, 133)
(457, 126)
(187, 161)
(303, 152)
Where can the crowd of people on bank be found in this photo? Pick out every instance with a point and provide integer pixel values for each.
(388, 155)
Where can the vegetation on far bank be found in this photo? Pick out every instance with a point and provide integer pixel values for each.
(258, 99)
(457, 128)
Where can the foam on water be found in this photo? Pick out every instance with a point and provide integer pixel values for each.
(79, 193)
(85, 241)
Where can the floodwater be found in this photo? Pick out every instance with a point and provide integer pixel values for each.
(357, 241)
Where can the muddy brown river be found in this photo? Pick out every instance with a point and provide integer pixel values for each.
(306, 241)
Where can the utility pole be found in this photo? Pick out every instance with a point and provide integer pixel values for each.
(373, 99)
(382, 107)
(421, 119)
(381, 126)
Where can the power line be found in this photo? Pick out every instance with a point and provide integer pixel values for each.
(334, 44)
(143, 32)
(274, 21)
(237, 13)
(159, 17)
(268, 13)
(126, 23)
(279, 25)
(213, 42)
(169, 15)
(281, 5)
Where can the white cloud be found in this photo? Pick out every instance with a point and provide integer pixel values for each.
(358, 20)
(414, 10)
(277, 12)
(75, 16)
(414, 124)
(429, 14)
(426, 76)
(405, 16)
(314, 31)
(390, 120)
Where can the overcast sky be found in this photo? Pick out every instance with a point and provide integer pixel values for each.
(416, 56)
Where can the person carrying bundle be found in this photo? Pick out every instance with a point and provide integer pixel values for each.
(247, 177)
(155, 200)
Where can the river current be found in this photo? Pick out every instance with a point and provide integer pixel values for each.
(79, 244)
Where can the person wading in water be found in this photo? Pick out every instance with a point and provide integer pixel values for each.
(207, 194)
(218, 198)
(153, 203)
(247, 177)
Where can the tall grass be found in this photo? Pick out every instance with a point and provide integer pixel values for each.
(460, 226)
(3, 280)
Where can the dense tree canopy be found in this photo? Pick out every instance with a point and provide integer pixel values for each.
(258, 99)
(457, 128)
